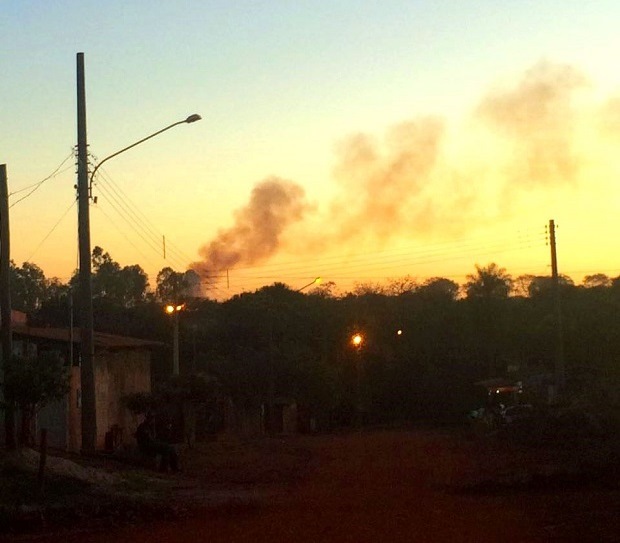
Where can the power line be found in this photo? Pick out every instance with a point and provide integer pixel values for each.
(116, 203)
(37, 186)
(383, 260)
(375, 265)
(51, 231)
(138, 221)
(120, 230)
(129, 207)
(430, 253)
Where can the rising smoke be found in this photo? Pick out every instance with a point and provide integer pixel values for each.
(539, 118)
(274, 205)
(410, 182)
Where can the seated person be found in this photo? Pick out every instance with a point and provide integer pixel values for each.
(150, 446)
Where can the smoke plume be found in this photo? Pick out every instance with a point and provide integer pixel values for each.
(538, 118)
(274, 205)
(382, 187)
(425, 176)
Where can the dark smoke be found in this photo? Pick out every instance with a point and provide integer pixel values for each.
(274, 205)
(411, 183)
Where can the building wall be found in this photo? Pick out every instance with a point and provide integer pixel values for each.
(63, 419)
(54, 419)
(74, 411)
(117, 374)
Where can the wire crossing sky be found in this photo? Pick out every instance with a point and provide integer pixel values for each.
(353, 141)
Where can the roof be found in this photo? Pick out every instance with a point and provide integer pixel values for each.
(102, 340)
(498, 382)
(17, 317)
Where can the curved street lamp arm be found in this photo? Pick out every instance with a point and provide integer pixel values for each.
(316, 281)
(192, 118)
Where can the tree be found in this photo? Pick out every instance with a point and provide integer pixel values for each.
(543, 285)
(401, 285)
(596, 280)
(490, 282)
(361, 289)
(28, 287)
(136, 283)
(487, 296)
(439, 288)
(33, 382)
(175, 286)
(56, 309)
(324, 290)
(521, 285)
(121, 287)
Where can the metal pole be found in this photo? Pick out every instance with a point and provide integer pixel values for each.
(87, 350)
(175, 345)
(5, 306)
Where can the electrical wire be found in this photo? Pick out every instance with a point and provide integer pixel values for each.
(386, 260)
(141, 218)
(129, 219)
(51, 231)
(138, 221)
(37, 186)
(376, 265)
(115, 205)
(353, 267)
(121, 231)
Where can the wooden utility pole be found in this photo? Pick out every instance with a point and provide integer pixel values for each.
(87, 350)
(5, 306)
(560, 376)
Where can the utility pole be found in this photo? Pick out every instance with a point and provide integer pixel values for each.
(175, 345)
(87, 350)
(560, 376)
(5, 307)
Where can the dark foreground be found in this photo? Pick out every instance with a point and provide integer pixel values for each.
(387, 486)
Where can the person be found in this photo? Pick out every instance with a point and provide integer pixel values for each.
(150, 446)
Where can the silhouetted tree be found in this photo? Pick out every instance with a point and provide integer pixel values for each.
(28, 287)
(176, 287)
(596, 280)
(33, 382)
(490, 282)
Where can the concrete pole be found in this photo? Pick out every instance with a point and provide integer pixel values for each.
(87, 349)
(5, 305)
(175, 344)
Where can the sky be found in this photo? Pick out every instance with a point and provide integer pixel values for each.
(355, 141)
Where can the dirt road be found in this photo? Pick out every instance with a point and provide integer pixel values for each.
(389, 486)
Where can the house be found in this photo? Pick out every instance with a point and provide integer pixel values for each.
(122, 366)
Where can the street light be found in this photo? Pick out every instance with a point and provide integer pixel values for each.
(191, 119)
(357, 340)
(175, 310)
(84, 185)
(316, 281)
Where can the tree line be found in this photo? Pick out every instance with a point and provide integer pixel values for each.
(424, 346)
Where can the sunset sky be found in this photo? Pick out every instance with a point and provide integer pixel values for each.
(356, 141)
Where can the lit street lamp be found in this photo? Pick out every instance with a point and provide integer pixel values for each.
(175, 310)
(357, 340)
(191, 119)
(316, 281)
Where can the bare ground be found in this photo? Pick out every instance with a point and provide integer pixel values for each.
(389, 485)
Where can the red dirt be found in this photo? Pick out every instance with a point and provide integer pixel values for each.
(384, 486)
